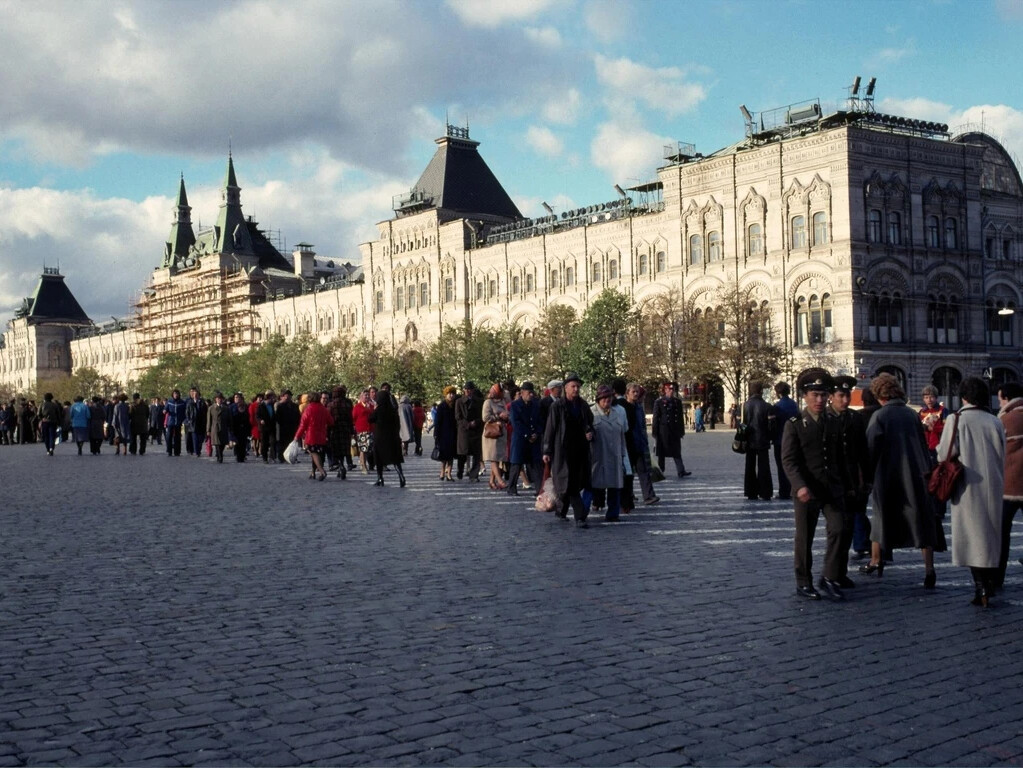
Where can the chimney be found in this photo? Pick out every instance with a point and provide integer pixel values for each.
(303, 257)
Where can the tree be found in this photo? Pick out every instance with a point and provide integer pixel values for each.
(85, 382)
(597, 349)
(746, 350)
(673, 342)
(551, 341)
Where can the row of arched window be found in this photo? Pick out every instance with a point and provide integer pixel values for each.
(888, 229)
(711, 249)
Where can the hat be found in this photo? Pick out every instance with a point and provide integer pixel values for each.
(218, 394)
(136, 396)
(555, 383)
(604, 391)
(495, 391)
(469, 385)
(572, 376)
(815, 380)
(527, 386)
(845, 384)
(286, 392)
(450, 391)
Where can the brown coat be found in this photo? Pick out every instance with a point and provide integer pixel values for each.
(1012, 419)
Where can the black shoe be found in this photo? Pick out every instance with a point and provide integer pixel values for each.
(581, 524)
(830, 589)
(930, 579)
(379, 482)
(342, 473)
(562, 515)
(652, 501)
(609, 519)
(513, 492)
(808, 592)
(846, 583)
(684, 474)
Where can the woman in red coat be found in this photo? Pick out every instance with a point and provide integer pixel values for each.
(312, 427)
(254, 423)
(361, 413)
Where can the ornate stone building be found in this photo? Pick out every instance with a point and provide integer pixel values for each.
(878, 243)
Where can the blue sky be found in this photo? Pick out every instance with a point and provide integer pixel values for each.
(332, 107)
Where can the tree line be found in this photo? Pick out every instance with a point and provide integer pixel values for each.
(729, 341)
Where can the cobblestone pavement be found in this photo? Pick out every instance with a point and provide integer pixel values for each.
(174, 611)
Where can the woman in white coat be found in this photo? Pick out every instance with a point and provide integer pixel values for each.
(977, 501)
(608, 453)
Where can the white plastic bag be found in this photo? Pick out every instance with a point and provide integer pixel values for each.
(292, 452)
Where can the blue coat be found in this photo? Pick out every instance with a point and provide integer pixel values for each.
(80, 416)
(175, 412)
(525, 421)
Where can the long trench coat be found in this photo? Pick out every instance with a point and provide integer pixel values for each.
(495, 450)
(608, 451)
(904, 512)
(525, 421)
(977, 502)
(218, 419)
(668, 426)
(564, 440)
(469, 410)
(386, 440)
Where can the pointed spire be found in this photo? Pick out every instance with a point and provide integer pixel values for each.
(182, 237)
(231, 227)
(230, 181)
(182, 197)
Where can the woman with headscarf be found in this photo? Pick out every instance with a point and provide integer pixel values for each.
(495, 441)
(445, 433)
(977, 437)
(608, 453)
(386, 437)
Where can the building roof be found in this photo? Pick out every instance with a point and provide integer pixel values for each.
(53, 303)
(457, 179)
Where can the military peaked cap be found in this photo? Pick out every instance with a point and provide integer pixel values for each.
(815, 380)
(845, 384)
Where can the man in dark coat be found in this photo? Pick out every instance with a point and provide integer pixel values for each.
(287, 419)
(812, 456)
(266, 416)
(469, 416)
(755, 412)
(524, 415)
(174, 410)
(241, 427)
(784, 408)
(669, 428)
(195, 421)
(138, 413)
(554, 388)
(857, 465)
(342, 431)
(566, 449)
(156, 421)
(627, 495)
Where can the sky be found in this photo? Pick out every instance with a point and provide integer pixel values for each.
(331, 107)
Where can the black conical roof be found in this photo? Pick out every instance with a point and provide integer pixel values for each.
(53, 302)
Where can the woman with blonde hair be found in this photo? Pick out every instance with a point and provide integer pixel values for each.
(495, 443)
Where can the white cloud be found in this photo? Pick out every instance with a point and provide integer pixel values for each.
(665, 88)
(548, 37)
(564, 108)
(627, 151)
(999, 120)
(607, 20)
(543, 141)
(494, 13)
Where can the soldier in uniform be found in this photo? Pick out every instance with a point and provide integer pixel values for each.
(812, 459)
(857, 467)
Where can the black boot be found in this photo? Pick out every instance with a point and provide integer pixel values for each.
(401, 475)
(980, 591)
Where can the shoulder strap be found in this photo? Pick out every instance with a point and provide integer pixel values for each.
(955, 436)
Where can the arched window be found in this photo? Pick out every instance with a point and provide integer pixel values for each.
(399, 298)
(799, 232)
(942, 321)
(569, 277)
(449, 291)
(493, 289)
(947, 379)
(515, 285)
(411, 297)
(998, 317)
(951, 233)
(612, 270)
(755, 240)
(874, 226)
(884, 318)
(662, 261)
(424, 294)
(411, 333)
(714, 246)
(554, 279)
(53, 356)
(814, 320)
(479, 291)
(379, 306)
(820, 228)
(933, 232)
(695, 249)
(530, 283)
(596, 272)
(644, 263)
(894, 228)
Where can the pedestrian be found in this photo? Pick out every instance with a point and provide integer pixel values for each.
(386, 435)
(195, 421)
(418, 420)
(905, 514)
(698, 418)
(241, 427)
(406, 428)
(554, 390)
(139, 416)
(445, 433)
(50, 417)
(1010, 400)
(710, 414)
(628, 497)
(524, 418)
(495, 442)
(312, 430)
(755, 415)
(254, 433)
(932, 416)
(97, 425)
(641, 465)
(566, 449)
(266, 415)
(340, 433)
(174, 416)
(287, 416)
(857, 465)
(783, 409)
(977, 437)
(811, 455)
(218, 421)
(609, 456)
(469, 415)
(121, 423)
(80, 415)
(669, 428)
(361, 413)
(156, 421)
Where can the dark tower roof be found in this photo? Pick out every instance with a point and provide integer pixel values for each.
(458, 180)
(54, 303)
(231, 229)
(181, 235)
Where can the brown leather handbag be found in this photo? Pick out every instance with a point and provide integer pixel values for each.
(946, 476)
(493, 430)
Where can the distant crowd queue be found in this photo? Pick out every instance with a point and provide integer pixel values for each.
(832, 458)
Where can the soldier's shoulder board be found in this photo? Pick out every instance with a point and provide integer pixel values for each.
(793, 419)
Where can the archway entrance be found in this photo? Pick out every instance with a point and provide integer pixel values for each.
(947, 379)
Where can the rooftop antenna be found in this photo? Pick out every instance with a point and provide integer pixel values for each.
(868, 99)
(748, 119)
(547, 208)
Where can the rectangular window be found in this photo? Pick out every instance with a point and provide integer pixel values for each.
(798, 232)
(424, 295)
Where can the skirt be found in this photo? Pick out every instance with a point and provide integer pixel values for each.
(365, 441)
(81, 434)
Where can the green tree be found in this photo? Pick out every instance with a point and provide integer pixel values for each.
(85, 382)
(552, 339)
(444, 360)
(745, 342)
(673, 342)
(598, 347)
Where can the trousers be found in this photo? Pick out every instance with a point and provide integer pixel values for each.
(757, 480)
(836, 560)
(784, 486)
(1009, 510)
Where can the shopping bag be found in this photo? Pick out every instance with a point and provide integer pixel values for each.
(292, 452)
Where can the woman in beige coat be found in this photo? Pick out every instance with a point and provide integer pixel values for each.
(977, 501)
(495, 449)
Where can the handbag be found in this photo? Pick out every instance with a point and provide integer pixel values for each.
(493, 430)
(435, 454)
(740, 443)
(945, 477)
